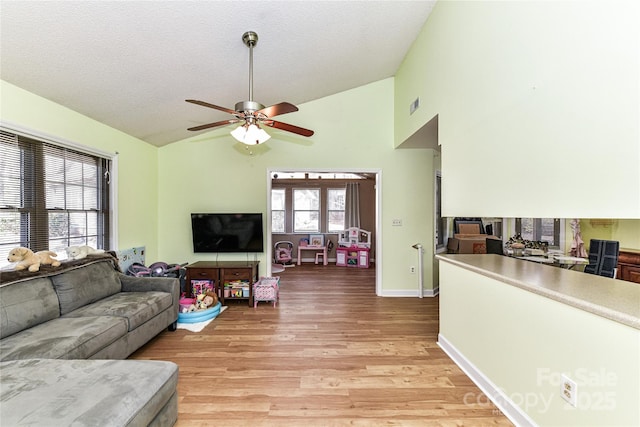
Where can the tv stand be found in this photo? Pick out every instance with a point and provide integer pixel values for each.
(221, 272)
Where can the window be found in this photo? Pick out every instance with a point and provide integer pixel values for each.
(540, 229)
(335, 209)
(51, 197)
(278, 209)
(306, 210)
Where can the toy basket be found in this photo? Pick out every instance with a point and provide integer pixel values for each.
(266, 289)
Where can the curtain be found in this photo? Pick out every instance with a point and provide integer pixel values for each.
(352, 205)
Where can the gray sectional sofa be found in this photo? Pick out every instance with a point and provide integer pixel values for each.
(63, 332)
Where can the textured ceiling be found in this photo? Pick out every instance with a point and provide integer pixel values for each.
(131, 64)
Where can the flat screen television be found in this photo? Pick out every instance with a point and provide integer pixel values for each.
(227, 232)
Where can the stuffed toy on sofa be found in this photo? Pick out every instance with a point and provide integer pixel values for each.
(79, 252)
(27, 259)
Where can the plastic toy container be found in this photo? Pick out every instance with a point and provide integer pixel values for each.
(200, 315)
(185, 303)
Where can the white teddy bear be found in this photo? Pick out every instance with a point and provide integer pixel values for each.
(79, 252)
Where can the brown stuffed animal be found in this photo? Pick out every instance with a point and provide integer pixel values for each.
(27, 259)
(206, 300)
(210, 299)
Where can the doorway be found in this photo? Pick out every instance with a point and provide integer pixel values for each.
(374, 174)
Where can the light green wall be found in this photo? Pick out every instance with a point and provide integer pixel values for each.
(627, 232)
(538, 107)
(137, 160)
(537, 104)
(353, 130)
(522, 342)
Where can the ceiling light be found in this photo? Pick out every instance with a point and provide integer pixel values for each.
(250, 134)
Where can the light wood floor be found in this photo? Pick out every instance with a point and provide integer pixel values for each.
(330, 354)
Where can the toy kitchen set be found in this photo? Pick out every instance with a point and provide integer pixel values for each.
(353, 248)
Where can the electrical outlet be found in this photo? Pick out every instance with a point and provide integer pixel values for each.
(569, 391)
(396, 222)
(412, 270)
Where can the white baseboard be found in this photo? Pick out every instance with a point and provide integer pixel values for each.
(431, 292)
(410, 293)
(495, 394)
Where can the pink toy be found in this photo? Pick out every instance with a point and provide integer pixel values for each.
(186, 303)
(282, 253)
(266, 289)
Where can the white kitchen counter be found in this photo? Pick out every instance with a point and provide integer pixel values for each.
(613, 299)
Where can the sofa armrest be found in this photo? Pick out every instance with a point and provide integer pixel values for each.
(160, 284)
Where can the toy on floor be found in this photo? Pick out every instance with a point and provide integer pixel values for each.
(206, 300)
(186, 304)
(200, 315)
(27, 259)
(266, 289)
(201, 302)
(79, 252)
(282, 253)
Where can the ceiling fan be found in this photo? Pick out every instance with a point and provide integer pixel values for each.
(252, 114)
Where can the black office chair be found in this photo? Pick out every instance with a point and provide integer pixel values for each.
(488, 229)
(603, 257)
(494, 246)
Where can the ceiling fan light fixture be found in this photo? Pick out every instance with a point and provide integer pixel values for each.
(262, 135)
(250, 134)
(239, 133)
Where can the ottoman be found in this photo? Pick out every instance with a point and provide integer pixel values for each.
(52, 392)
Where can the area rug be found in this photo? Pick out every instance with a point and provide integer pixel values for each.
(197, 327)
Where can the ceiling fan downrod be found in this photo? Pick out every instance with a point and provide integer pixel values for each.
(250, 39)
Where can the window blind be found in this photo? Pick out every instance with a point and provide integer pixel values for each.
(51, 197)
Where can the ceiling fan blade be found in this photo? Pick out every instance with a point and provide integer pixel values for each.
(216, 124)
(288, 127)
(278, 109)
(215, 107)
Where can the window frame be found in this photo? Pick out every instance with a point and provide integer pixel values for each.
(294, 210)
(441, 224)
(41, 142)
(284, 210)
(328, 211)
(559, 230)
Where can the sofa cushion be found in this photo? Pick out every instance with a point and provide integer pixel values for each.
(87, 392)
(85, 285)
(26, 304)
(136, 307)
(64, 338)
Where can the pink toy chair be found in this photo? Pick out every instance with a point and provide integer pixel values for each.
(325, 253)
